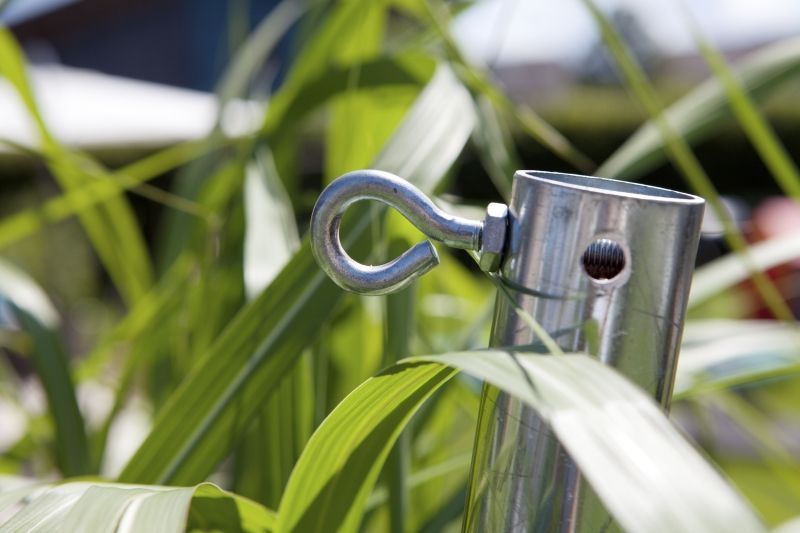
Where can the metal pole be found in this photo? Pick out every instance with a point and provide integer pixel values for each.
(605, 267)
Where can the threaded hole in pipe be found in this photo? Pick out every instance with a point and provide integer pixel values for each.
(603, 259)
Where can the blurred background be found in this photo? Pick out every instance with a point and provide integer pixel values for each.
(121, 81)
(163, 61)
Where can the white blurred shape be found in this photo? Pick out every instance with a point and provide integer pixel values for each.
(521, 31)
(127, 432)
(26, 294)
(14, 424)
(95, 402)
(90, 110)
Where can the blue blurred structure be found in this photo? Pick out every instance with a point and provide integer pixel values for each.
(177, 42)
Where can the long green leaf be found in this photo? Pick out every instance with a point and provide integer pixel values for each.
(398, 332)
(704, 110)
(112, 226)
(96, 506)
(437, 16)
(284, 425)
(213, 405)
(755, 126)
(18, 226)
(257, 48)
(719, 354)
(310, 76)
(28, 322)
(333, 478)
(52, 367)
(355, 116)
(495, 146)
(289, 106)
(620, 439)
(682, 156)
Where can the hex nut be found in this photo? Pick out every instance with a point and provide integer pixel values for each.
(493, 237)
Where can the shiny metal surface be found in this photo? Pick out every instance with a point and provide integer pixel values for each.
(605, 267)
(493, 237)
(413, 204)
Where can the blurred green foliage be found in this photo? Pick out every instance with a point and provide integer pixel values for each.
(209, 346)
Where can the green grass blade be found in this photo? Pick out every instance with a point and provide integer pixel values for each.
(38, 318)
(772, 452)
(331, 483)
(112, 226)
(705, 109)
(684, 159)
(100, 506)
(313, 59)
(290, 104)
(418, 479)
(140, 325)
(89, 506)
(254, 52)
(621, 440)
(215, 403)
(284, 425)
(755, 126)
(18, 226)
(495, 146)
(355, 114)
(398, 331)
(719, 354)
(52, 367)
(437, 16)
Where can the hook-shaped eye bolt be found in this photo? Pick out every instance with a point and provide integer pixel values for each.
(486, 236)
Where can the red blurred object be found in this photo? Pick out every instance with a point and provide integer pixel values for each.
(775, 217)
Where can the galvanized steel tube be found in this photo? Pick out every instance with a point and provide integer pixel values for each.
(605, 266)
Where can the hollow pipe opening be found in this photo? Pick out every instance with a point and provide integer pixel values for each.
(610, 186)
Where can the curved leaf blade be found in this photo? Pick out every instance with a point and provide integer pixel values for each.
(99, 506)
(717, 354)
(761, 134)
(620, 439)
(52, 368)
(332, 480)
(701, 112)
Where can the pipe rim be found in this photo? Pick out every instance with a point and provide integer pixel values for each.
(610, 187)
